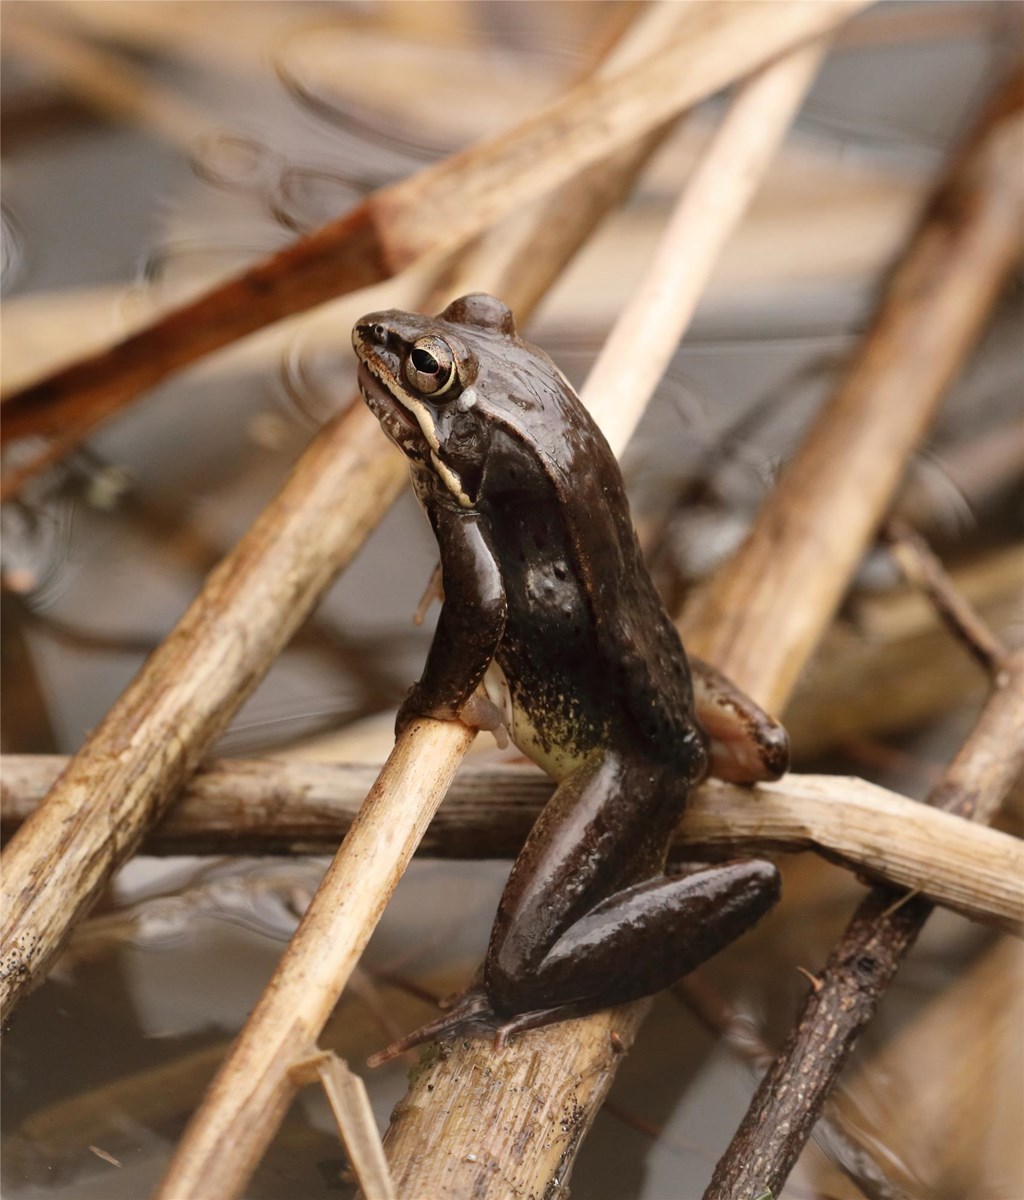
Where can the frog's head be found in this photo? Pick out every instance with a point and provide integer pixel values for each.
(425, 378)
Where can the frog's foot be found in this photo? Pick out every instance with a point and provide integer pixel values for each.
(747, 745)
(472, 1009)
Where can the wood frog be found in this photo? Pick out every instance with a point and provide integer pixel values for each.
(552, 627)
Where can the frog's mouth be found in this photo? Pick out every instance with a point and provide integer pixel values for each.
(408, 424)
(397, 422)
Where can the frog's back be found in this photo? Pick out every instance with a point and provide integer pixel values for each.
(591, 656)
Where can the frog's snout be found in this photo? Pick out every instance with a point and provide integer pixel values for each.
(369, 333)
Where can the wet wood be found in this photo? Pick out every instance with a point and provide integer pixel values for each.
(958, 1121)
(818, 519)
(432, 212)
(861, 967)
(264, 806)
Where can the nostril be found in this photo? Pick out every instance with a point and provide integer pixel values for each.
(380, 333)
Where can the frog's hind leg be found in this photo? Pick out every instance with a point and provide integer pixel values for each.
(646, 937)
(570, 937)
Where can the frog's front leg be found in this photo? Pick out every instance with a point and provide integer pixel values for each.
(588, 918)
(469, 628)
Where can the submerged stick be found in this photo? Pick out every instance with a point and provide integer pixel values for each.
(436, 210)
(268, 807)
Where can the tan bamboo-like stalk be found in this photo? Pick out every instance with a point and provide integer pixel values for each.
(120, 780)
(434, 211)
(719, 191)
(511, 1111)
(225, 1142)
(269, 807)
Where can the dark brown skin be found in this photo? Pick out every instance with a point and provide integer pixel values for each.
(551, 625)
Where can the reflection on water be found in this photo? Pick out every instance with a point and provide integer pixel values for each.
(470, 70)
(12, 252)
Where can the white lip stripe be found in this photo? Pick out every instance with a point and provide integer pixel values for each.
(422, 415)
(451, 481)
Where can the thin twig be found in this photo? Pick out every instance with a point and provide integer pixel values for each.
(437, 210)
(922, 568)
(268, 807)
(834, 1129)
(861, 967)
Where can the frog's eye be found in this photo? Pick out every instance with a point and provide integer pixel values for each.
(431, 366)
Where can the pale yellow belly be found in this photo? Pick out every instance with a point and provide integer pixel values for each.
(557, 762)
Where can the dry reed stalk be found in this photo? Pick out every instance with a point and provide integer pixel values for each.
(717, 194)
(968, 241)
(432, 212)
(862, 965)
(278, 807)
(484, 1123)
(350, 1104)
(159, 729)
(254, 1087)
(191, 686)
